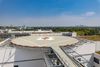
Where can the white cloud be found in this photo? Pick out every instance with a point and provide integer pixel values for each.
(61, 20)
(91, 13)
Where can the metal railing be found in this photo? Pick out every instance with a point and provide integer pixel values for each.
(49, 60)
(5, 42)
(81, 42)
(78, 64)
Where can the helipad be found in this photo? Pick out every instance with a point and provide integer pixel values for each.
(49, 41)
(44, 41)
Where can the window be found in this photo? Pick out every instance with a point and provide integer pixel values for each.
(96, 60)
(15, 65)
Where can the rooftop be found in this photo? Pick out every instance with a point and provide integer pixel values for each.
(44, 40)
(49, 40)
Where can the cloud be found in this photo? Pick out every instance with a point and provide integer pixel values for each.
(61, 20)
(91, 13)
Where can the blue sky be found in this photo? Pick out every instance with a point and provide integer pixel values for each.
(50, 12)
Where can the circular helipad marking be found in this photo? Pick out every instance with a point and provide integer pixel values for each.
(44, 41)
(45, 38)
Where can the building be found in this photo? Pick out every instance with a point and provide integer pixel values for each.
(2, 31)
(46, 50)
(30, 32)
(72, 34)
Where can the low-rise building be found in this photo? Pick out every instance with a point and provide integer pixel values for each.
(72, 34)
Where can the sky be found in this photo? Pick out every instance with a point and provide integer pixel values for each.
(50, 12)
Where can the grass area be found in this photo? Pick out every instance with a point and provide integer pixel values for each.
(98, 52)
(93, 37)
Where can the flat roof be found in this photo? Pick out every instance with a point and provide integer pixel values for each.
(49, 41)
(44, 40)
